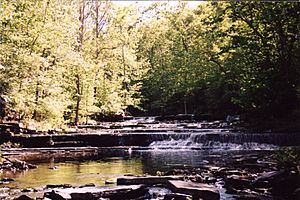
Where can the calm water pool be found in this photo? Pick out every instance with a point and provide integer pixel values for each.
(75, 173)
(99, 169)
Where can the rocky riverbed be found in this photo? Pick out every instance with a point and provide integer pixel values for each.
(191, 160)
(240, 177)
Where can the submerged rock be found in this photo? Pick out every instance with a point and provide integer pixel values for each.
(59, 186)
(110, 181)
(54, 168)
(148, 180)
(7, 180)
(88, 185)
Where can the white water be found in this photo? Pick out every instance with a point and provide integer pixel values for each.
(199, 141)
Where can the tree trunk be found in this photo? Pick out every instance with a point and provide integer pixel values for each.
(185, 108)
(78, 99)
(97, 31)
(37, 94)
(80, 44)
(81, 29)
(124, 77)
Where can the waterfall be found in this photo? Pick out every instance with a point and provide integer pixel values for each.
(218, 140)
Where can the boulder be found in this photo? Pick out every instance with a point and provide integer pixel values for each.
(237, 182)
(271, 176)
(95, 193)
(197, 190)
(127, 194)
(53, 195)
(23, 197)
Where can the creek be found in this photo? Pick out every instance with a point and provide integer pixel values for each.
(170, 147)
(108, 164)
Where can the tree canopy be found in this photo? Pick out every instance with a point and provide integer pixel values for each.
(66, 61)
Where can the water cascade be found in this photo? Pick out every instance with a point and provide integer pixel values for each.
(223, 140)
(149, 133)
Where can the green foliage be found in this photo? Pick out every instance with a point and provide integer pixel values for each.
(287, 157)
(224, 57)
(266, 53)
(64, 61)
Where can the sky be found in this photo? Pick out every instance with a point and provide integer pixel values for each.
(190, 4)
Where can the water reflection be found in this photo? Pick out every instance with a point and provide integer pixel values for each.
(115, 164)
(75, 173)
(164, 160)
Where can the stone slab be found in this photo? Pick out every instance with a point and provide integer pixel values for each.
(197, 190)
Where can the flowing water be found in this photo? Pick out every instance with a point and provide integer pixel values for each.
(167, 151)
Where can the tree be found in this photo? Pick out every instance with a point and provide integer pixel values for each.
(224, 57)
(35, 36)
(267, 43)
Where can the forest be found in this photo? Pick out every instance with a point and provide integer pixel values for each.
(73, 62)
